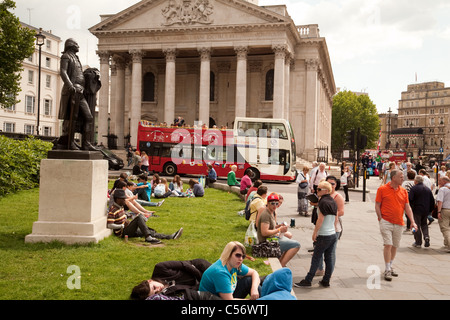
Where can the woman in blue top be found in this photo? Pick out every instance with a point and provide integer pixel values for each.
(324, 237)
(221, 278)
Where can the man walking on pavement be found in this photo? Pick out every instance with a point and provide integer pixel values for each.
(443, 208)
(390, 204)
(421, 200)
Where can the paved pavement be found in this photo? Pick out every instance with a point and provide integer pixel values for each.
(423, 272)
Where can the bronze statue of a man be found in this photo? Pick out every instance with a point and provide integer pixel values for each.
(75, 111)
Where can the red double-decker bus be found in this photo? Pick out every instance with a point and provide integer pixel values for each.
(188, 151)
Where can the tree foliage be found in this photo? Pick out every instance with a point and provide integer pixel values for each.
(16, 44)
(350, 112)
(20, 162)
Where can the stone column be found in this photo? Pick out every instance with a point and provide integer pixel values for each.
(205, 79)
(241, 81)
(136, 94)
(103, 98)
(127, 96)
(312, 110)
(119, 113)
(287, 85)
(169, 98)
(112, 98)
(279, 78)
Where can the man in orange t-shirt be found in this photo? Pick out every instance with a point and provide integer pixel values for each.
(390, 204)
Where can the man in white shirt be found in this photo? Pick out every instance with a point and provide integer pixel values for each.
(426, 181)
(317, 176)
(443, 207)
(408, 168)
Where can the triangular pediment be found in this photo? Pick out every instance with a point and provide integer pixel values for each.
(175, 14)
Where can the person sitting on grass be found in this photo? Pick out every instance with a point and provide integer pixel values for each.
(118, 221)
(196, 188)
(143, 189)
(130, 201)
(131, 186)
(162, 190)
(228, 278)
(174, 280)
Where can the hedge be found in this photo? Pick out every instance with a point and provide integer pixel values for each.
(20, 162)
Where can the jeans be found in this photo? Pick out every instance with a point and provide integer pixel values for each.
(138, 228)
(146, 203)
(334, 249)
(324, 246)
(243, 287)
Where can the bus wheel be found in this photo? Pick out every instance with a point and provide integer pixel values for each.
(256, 174)
(170, 169)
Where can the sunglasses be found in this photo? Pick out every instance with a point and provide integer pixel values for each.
(240, 255)
(274, 203)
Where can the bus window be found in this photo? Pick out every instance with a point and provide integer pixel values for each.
(199, 152)
(166, 151)
(181, 152)
(214, 153)
(233, 155)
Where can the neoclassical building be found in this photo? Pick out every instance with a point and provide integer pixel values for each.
(211, 61)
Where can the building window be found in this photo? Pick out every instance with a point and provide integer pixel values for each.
(47, 131)
(49, 44)
(269, 85)
(48, 81)
(30, 76)
(47, 107)
(29, 104)
(149, 87)
(28, 129)
(30, 58)
(212, 86)
(9, 127)
(48, 62)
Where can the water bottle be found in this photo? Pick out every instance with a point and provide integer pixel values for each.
(282, 233)
(413, 230)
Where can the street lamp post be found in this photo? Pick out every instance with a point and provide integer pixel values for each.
(39, 41)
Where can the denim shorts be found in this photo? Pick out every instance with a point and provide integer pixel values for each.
(287, 244)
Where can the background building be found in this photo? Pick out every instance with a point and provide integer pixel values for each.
(22, 117)
(423, 117)
(211, 61)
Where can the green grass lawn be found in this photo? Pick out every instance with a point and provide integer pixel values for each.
(110, 269)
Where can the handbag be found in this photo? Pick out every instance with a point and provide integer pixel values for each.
(267, 249)
(350, 182)
(303, 185)
(434, 212)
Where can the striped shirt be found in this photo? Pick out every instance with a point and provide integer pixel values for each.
(116, 215)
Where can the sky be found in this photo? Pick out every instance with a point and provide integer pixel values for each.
(376, 46)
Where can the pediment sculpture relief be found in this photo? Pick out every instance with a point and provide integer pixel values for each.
(187, 12)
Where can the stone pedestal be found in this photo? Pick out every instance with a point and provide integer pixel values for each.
(72, 202)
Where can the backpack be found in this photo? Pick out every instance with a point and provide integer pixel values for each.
(247, 211)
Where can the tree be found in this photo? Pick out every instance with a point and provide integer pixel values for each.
(353, 112)
(16, 44)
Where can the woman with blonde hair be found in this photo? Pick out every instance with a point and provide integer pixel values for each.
(221, 278)
(324, 237)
